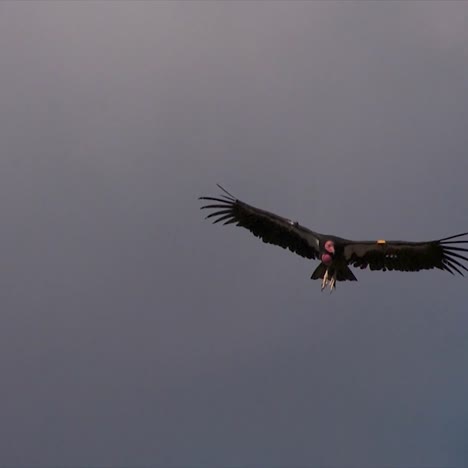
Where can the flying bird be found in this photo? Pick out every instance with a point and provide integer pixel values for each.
(337, 254)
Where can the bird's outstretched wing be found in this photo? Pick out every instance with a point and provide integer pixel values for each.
(444, 254)
(269, 227)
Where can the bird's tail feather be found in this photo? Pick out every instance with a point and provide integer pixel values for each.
(342, 274)
(319, 272)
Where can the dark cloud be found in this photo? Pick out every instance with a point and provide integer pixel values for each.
(135, 333)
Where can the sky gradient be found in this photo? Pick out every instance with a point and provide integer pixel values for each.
(132, 332)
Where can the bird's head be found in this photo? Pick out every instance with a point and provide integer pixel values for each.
(327, 256)
(329, 247)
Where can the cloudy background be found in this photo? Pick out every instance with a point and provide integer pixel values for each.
(132, 332)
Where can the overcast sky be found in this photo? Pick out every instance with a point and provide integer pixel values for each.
(133, 332)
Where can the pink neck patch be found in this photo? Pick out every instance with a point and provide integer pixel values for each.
(327, 259)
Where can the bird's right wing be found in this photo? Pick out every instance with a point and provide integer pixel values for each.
(269, 227)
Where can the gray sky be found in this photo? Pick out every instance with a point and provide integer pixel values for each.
(132, 332)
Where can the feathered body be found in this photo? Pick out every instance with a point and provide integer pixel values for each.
(336, 253)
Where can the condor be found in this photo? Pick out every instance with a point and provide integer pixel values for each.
(336, 254)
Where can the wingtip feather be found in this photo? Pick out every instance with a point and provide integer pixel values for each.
(232, 197)
(453, 237)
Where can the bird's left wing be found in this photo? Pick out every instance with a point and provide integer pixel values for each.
(269, 227)
(444, 254)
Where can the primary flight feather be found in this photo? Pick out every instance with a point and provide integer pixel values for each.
(336, 254)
